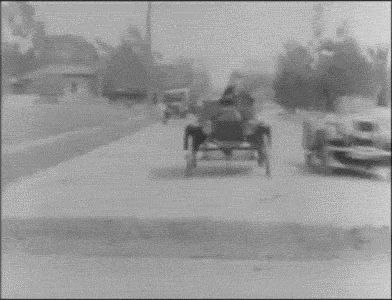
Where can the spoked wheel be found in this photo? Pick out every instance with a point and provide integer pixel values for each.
(252, 155)
(190, 158)
(204, 155)
(309, 160)
(324, 156)
(264, 159)
(267, 163)
(165, 118)
(190, 164)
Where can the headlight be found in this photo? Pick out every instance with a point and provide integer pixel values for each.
(342, 129)
(333, 129)
(383, 140)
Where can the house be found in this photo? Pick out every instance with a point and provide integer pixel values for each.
(65, 49)
(126, 79)
(65, 83)
(67, 72)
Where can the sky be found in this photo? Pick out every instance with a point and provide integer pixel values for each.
(221, 34)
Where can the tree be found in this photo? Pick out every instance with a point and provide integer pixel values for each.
(388, 88)
(329, 68)
(104, 48)
(21, 35)
(343, 30)
(19, 18)
(379, 60)
(134, 38)
(293, 82)
(318, 25)
(125, 66)
(124, 71)
(346, 71)
(340, 69)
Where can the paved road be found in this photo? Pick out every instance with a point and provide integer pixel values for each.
(106, 210)
(127, 277)
(143, 176)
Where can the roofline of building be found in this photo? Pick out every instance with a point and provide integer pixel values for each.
(92, 72)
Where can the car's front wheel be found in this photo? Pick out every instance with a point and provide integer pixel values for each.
(324, 154)
(309, 159)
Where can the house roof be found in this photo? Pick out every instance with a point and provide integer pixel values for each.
(60, 70)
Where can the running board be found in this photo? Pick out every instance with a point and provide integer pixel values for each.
(215, 147)
(232, 158)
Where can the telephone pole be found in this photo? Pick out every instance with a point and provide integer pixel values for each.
(150, 61)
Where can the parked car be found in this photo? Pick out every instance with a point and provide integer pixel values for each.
(355, 138)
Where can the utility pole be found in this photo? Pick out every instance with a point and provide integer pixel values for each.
(149, 58)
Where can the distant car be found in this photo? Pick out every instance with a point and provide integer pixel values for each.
(358, 138)
(175, 104)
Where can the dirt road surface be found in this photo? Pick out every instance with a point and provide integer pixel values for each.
(55, 247)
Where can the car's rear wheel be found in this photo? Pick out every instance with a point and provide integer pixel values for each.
(264, 159)
(165, 117)
(190, 159)
(309, 159)
(325, 167)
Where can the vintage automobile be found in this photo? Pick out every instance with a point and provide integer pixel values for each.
(210, 133)
(356, 136)
(175, 104)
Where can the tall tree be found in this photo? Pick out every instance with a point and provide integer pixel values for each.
(345, 72)
(20, 18)
(293, 78)
(124, 70)
(21, 35)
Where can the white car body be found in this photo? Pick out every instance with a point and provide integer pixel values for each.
(355, 137)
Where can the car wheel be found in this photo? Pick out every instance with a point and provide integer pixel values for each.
(190, 158)
(264, 159)
(309, 159)
(324, 155)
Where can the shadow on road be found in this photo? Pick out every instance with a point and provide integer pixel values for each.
(178, 172)
(191, 238)
(338, 173)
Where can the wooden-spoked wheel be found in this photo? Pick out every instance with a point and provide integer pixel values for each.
(190, 158)
(324, 154)
(264, 158)
(165, 117)
(309, 159)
